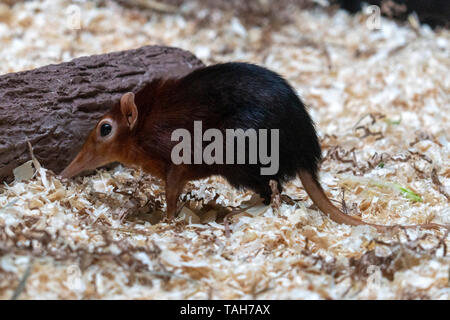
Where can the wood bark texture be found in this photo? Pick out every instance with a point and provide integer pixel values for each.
(56, 106)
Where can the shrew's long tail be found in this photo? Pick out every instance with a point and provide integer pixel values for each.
(318, 196)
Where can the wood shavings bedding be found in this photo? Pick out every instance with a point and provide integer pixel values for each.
(381, 103)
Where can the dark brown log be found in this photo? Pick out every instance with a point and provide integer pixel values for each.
(55, 107)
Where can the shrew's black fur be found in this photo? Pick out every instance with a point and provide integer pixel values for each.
(233, 96)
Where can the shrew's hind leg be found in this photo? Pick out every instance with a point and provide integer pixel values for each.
(175, 181)
(265, 191)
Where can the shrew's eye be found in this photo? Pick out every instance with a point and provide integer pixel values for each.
(105, 129)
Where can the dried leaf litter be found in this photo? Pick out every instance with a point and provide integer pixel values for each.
(381, 103)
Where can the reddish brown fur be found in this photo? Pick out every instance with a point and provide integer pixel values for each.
(147, 146)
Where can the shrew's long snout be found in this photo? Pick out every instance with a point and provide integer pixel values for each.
(81, 163)
(86, 159)
(90, 157)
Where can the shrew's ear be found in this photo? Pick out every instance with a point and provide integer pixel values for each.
(129, 109)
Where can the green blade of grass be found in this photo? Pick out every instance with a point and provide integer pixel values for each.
(408, 193)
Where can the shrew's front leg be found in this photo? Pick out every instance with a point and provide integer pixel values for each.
(175, 181)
